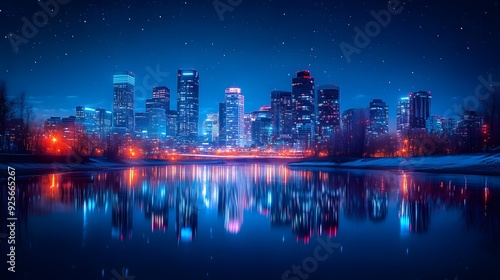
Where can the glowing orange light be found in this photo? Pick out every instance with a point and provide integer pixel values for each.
(54, 139)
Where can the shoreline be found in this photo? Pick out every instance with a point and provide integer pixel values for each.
(28, 165)
(474, 164)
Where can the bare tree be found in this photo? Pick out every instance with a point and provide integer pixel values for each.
(491, 111)
(6, 112)
(27, 117)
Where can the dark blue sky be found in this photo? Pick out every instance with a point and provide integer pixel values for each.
(258, 46)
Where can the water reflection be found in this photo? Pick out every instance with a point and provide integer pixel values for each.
(307, 202)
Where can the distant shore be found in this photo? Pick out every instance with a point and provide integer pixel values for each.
(474, 164)
(477, 164)
(28, 165)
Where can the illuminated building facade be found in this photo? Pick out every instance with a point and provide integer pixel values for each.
(262, 127)
(420, 108)
(188, 98)
(210, 127)
(303, 110)
(234, 124)
(222, 124)
(403, 115)
(328, 121)
(281, 112)
(123, 100)
(141, 125)
(171, 123)
(379, 118)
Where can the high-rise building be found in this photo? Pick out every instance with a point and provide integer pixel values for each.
(171, 123)
(450, 126)
(141, 124)
(160, 100)
(403, 115)
(156, 112)
(261, 128)
(328, 121)
(210, 127)
(94, 121)
(281, 112)
(80, 113)
(162, 93)
(188, 98)
(247, 120)
(435, 124)
(222, 124)
(88, 118)
(123, 100)
(379, 118)
(354, 122)
(303, 110)
(420, 108)
(157, 123)
(104, 122)
(235, 126)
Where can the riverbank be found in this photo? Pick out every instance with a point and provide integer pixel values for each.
(477, 164)
(27, 165)
(36, 165)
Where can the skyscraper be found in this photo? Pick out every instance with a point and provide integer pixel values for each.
(303, 109)
(354, 122)
(162, 92)
(123, 100)
(141, 124)
(157, 123)
(420, 108)
(235, 126)
(261, 128)
(379, 118)
(104, 122)
(188, 97)
(222, 124)
(157, 109)
(328, 123)
(281, 112)
(171, 123)
(210, 127)
(160, 100)
(403, 115)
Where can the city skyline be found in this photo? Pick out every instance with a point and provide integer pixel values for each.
(85, 42)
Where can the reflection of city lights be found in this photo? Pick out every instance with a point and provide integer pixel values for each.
(186, 234)
(233, 226)
(53, 181)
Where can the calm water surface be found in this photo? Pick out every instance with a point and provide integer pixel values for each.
(256, 222)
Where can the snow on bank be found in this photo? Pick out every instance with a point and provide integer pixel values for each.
(33, 168)
(489, 163)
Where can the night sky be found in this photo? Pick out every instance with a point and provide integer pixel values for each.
(258, 46)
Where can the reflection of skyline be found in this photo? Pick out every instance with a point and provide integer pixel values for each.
(308, 203)
(121, 216)
(186, 214)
